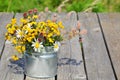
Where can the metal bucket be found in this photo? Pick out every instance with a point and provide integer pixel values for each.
(41, 65)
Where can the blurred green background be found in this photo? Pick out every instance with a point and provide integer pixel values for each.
(66, 5)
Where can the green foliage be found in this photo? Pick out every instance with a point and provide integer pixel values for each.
(99, 8)
(83, 5)
(3, 5)
(76, 5)
(117, 8)
(18, 5)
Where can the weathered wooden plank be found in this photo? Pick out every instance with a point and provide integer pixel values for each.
(73, 68)
(18, 16)
(4, 19)
(111, 28)
(7, 69)
(96, 56)
(64, 72)
(63, 67)
(77, 67)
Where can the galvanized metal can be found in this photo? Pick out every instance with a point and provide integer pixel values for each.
(41, 65)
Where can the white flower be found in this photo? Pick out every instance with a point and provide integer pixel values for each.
(56, 46)
(19, 33)
(29, 25)
(37, 46)
(58, 43)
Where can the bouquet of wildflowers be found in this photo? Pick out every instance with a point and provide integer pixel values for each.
(31, 35)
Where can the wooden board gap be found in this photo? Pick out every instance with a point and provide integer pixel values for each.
(2, 50)
(81, 44)
(111, 62)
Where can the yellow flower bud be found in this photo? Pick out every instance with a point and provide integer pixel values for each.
(15, 58)
(13, 21)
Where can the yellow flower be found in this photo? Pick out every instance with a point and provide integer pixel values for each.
(49, 35)
(22, 42)
(14, 41)
(35, 16)
(23, 48)
(41, 23)
(24, 21)
(29, 17)
(29, 39)
(44, 33)
(27, 28)
(15, 58)
(60, 25)
(8, 25)
(52, 29)
(11, 30)
(35, 33)
(48, 21)
(13, 21)
(7, 37)
(58, 33)
(18, 48)
(50, 24)
(50, 40)
(33, 23)
(55, 25)
(29, 34)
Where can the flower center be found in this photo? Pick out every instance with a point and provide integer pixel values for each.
(36, 45)
(20, 33)
(55, 46)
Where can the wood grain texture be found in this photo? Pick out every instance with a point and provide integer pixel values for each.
(77, 68)
(96, 56)
(74, 69)
(9, 71)
(64, 72)
(18, 16)
(64, 54)
(111, 28)
(4, 19)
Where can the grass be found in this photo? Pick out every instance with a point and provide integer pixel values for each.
(69, 5)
